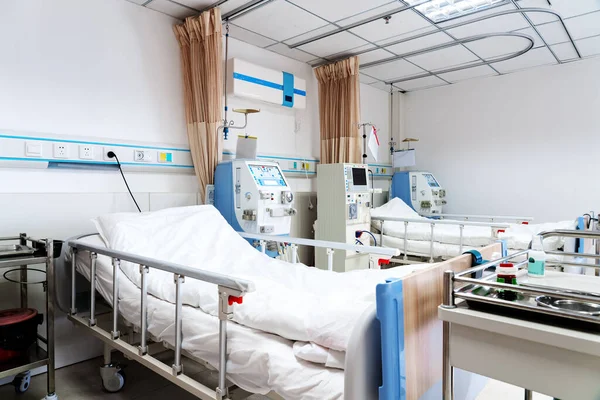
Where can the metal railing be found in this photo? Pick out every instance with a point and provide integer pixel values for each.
(329, 246)
(491, 218)
(432, 223)
(230, 290)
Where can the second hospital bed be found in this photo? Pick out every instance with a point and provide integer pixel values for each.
(263, 362)
(399, 226)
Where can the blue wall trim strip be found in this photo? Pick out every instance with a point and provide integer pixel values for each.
(262, 82)
(96, 143)
(288, 90)
(35, 159)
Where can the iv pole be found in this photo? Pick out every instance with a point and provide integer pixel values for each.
(364, 128)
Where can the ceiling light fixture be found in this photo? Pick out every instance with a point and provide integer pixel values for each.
(442, 10)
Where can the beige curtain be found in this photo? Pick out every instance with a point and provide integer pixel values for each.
(339, 111)
(201, 59)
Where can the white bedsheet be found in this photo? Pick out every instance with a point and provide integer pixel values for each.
(291, 300)
(258, 362)
(517, 236)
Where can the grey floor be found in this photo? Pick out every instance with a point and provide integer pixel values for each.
(82, 381)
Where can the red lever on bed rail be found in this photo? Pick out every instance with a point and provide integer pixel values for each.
(235, 299)
(383, 261)
(525, 223)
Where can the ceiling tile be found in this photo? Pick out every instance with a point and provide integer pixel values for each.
(497, 46)
(537, 41)
(333, 10)
(250, 37)
(296, 54)
(389, 7)
(476, 15)
(420, 83)
(374, 55)
(367, 79)
(553, 33)
(392, 70)
(140, 2)
(172, 9)
(392, 40)
(400, 23)
(381, 86)
(564, 51)
(353, 51)
(231, 5)
(505, 23)
(589, 47)
(584, 26)
(443, 58)
(197, 4)
(421, 43)
(310, 34)
(470, 73)
(533, 58)
(279, 20)
(566, 8)
(333, 44)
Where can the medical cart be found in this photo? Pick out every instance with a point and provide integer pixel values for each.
(20, 253)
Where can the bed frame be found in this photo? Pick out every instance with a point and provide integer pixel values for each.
(368, 361)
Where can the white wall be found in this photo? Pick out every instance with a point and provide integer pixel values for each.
(518, 144)
(106, 69)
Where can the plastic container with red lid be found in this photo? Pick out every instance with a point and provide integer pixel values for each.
(507, 273)
(18, 331)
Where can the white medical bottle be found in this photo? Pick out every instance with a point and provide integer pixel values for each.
(536, 267)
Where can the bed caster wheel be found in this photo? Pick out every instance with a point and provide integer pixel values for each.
(22, 382)
(113, 378)
(52, 396)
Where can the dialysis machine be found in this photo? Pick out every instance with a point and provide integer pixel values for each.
(343, 208)
(254, 196)
(420, 190)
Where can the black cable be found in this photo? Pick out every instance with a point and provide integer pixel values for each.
(111, 154)
(372, 190)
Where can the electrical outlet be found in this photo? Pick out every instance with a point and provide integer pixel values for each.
(86, 152)
(61, 150)
(142, 156)
(105, 151)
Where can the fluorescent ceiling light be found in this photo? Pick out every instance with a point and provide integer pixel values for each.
(443, 10)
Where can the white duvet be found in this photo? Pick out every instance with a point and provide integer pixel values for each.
(517, 236)
(291, 300)
(258, 362)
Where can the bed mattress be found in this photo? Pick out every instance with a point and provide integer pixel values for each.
(258, 362)
(517, 236)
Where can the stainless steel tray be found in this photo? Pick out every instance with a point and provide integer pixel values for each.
(14, 250)
(537, 308)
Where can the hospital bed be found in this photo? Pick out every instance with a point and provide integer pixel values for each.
(399, 226)
(407, 360)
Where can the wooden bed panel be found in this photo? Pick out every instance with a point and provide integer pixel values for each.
(422, 294)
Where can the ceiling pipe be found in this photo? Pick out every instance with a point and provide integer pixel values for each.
(465, 66)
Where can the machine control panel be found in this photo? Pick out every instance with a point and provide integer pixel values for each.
(254, 196)
(420, 190)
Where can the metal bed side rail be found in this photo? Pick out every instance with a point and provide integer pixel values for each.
(443, 222)
(432, 223)
(578, 234)
(492, 218)
(330, 246)
(230, 291)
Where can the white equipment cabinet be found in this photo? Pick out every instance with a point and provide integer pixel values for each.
(343, 207)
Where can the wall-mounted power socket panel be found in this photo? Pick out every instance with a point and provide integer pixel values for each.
(86, 151)
(142, 156)
(60, 150)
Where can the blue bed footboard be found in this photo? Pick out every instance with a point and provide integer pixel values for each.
(390, 313)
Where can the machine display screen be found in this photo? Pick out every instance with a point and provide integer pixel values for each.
(431, 180)
(359, 177)
(267, 175)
